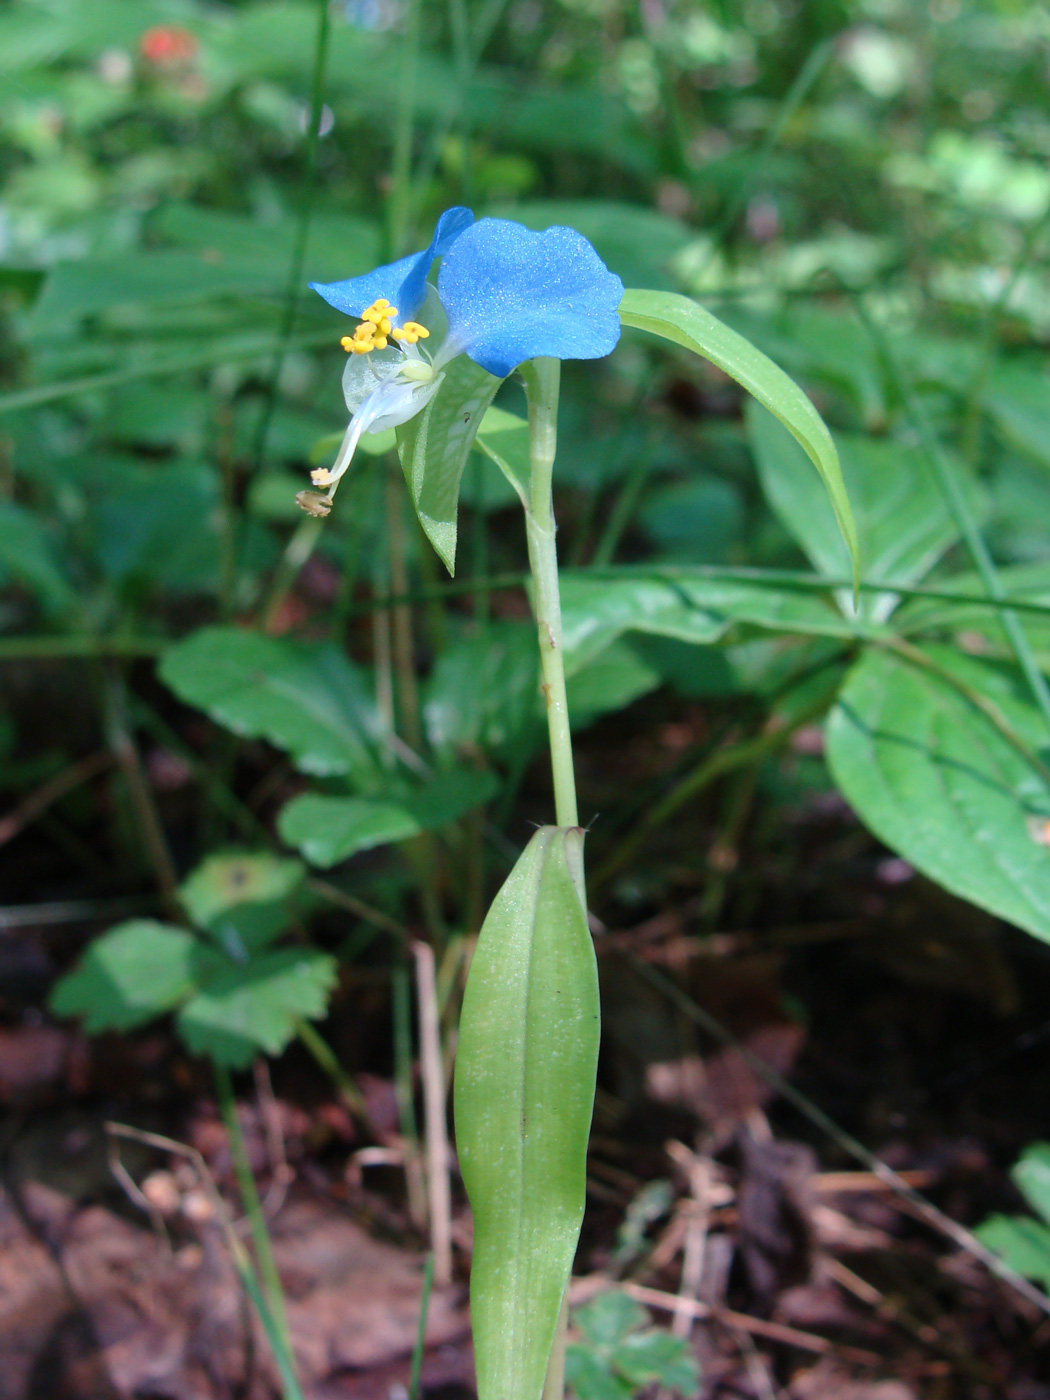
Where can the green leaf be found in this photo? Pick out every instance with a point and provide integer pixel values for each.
(935, 779)
(483, 692)
(129, 975)
(504, 438)
(434, 447)
(245, 1010)
(26, 554)
(588, 1376)
(1032, 1178)
(327, 830)
(688, 605)
(609, 682)
(1024, 1244)
(525, 1073)
(1018, 401)
(905, 524)
(610, 1318)
(223, 881)
(678, 319)
(245, 900)
(307, 700)
(658, 1356)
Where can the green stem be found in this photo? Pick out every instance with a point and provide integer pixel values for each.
(541, 385)
(542, 381)
(414, 1390)
(271, 1280)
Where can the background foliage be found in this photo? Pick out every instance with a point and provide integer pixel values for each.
(860, 188)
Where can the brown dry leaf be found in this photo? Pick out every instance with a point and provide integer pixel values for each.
(774, 1208)
(723, 1089)
(93, 1307)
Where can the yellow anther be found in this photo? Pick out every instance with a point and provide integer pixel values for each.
(380, 311)
(321, 476)
(410, 332)
(379, 343)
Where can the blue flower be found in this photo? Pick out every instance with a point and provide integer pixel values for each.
(504, 295)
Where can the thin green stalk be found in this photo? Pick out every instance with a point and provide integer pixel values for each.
(965, 522)
(542, 378)
(542, 382)
(417, 1351)
(302, 233)
(271, 1279)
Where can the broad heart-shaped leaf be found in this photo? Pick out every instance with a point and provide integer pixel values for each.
(307, 700)
(434, 447)
(128, 976)
(243, 1011)
(525, 1073)
(329, 829)
(935, 779)
(678, 319)
(905, 524)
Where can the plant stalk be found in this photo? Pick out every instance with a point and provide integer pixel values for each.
(542, 382)
(541, 385)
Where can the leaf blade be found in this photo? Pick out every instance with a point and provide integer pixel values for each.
(523, 1096)
(676, 318)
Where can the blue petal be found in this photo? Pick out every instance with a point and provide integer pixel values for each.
(511, 294)
(403, 283)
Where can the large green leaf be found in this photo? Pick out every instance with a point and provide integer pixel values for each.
(904, 522)
(307, 700)
(936, 779)
(256, 1008)
(1018, 401)
(129, 975)
(678, 319)
(688, 605)
(434, 447)
(525, 1073)
(327, 829)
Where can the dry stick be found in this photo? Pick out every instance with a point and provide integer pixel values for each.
(439, 1191)
(698, 1173)
(51, 792)
(925, 1210)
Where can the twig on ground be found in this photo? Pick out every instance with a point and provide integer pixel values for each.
(439, 1191)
